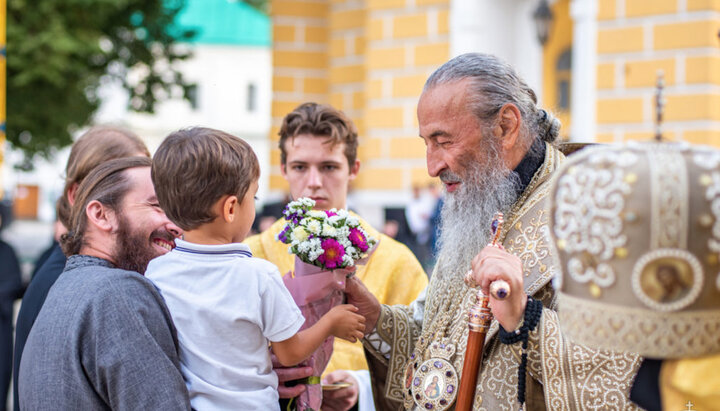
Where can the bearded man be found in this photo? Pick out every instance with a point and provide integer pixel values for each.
(104, 338)
(492, 147)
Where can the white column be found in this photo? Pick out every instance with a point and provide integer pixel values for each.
(501, 27)
(466, 27)
(528, 59)
(584, 68)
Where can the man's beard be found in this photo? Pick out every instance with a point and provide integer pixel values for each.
(466, 215)
(134, 248)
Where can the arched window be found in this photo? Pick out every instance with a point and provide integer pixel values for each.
(251, 98)
(563, 69)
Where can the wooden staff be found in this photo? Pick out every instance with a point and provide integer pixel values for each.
(479, 323)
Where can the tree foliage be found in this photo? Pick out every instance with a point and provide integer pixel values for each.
(261, 5)
(60, 51)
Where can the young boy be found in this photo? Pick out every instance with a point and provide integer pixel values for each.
(227, 305)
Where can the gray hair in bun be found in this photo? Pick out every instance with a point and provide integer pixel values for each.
(495, 83)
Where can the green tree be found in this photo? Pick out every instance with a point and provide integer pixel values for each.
(60, 51)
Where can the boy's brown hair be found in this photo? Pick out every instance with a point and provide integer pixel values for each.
(194, 167)
(96, 146)
(320, 121)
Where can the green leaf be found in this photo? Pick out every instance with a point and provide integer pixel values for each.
(58, 51)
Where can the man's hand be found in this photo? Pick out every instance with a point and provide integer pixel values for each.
(342, 399)
(368, 306)
(289, 374)
(494, 263)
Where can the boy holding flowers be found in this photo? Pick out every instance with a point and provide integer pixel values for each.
(227, 305)
(318, 158)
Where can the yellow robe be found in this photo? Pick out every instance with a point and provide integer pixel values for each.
(694, 380)
(392, 274)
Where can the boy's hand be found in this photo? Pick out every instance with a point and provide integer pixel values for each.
(345, 323)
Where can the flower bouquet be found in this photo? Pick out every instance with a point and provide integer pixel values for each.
(327, 247)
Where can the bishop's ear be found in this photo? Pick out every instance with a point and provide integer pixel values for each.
(508, 126)
(101, 216)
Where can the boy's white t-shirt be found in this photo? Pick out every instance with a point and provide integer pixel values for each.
(226, 305)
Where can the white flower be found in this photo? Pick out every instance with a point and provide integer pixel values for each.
(304, 247)
(299, 234)
(329, 231)
(314, 226)
(343, 232)
(317, 214)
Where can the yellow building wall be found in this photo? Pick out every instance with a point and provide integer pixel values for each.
(636, 38)
(300, 65)
(369, 58)
(559, 40)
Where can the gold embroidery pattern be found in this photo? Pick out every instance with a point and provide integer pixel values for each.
(499, 378)
(530, 243)
(712, 194)
(600, 191)
(556, 378)
(603, 378)
(708, 160)
(597, 380)
(497, 385)
(404, 334)
(669, 210)
(693, 333)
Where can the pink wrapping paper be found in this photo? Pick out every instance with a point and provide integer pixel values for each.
(315, 291)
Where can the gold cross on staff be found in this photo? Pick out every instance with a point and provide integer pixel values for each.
(659, 105)
(689, 406)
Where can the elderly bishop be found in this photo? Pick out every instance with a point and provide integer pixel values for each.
(494, 150)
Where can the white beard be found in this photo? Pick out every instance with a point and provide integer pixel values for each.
(467, 213)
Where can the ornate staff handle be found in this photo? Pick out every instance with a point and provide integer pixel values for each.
(479, 321)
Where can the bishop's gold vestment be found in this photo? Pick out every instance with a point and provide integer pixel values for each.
(392, 274)
(562, 375)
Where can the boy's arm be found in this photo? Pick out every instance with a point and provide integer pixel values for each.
(341, 321)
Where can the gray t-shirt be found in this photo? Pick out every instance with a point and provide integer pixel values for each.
(104, 339)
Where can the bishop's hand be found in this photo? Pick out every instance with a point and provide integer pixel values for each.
(368, 305)
(494, 263)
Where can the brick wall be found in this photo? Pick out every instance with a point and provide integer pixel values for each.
(300, 65)
(407, 41)
(369, 58)
(636, 38)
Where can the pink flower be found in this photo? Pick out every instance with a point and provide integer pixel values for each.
(330, 213)
(358, 239)
(333, 255)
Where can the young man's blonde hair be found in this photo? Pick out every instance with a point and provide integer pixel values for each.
(194, 167)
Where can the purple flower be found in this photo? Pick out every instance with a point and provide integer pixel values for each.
(333, 255)
(357, 238)
(283, 235)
